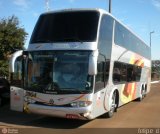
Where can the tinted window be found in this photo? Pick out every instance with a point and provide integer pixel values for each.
(58, 72)
(130, 73)
(105, 36)
(66, 27)
(126, 39)
(105, 48)
(123, 73)
(100, 83)
(119, 73)
(138, 73)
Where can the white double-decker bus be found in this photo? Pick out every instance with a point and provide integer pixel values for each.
(80, 64)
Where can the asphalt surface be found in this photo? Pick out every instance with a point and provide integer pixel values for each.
(145, 114)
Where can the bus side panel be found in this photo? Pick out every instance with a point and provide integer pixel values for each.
(98, 100)
(130, 90)
(16, 99)
(127, 92)
(102, 100)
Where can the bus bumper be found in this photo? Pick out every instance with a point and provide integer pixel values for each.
(83, 113)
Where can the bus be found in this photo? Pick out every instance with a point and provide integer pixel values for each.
(80, 64)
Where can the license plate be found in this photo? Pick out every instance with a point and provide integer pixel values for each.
(72, 116)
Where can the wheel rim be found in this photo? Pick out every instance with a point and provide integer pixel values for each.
(113, 103)
(143, 93)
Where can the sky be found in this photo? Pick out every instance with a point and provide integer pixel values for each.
(141, 16)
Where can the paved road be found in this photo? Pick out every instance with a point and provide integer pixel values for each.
(145, 114)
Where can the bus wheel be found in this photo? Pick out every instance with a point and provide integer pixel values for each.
(142, 95)
(110, 113)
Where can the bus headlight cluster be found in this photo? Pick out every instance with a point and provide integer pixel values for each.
(81, 103)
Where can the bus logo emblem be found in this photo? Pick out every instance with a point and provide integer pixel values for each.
(51, 101)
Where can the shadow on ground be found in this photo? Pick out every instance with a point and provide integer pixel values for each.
(17, 118)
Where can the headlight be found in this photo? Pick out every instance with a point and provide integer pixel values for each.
(81, 103)
(29, 100)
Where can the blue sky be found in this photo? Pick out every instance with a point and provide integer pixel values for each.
(141, 16)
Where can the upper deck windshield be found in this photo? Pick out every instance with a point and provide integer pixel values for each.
(58, 72)
(77, 26)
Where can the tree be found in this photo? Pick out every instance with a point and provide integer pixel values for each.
(3, 68)
(12, 38)
(156, 69)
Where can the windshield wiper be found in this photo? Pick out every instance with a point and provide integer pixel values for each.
(73, 90)
(52, 86)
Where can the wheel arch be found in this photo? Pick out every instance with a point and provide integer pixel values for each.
(115, 90)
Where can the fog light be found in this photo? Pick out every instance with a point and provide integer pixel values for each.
(74, 104)
(81, 103)
(86, 114)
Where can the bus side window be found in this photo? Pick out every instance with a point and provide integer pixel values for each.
(138, 73)
(123, 73)
(128, 40)
(119, 73)
(106, 68)
(116, 75)
(130, 73)
(104, 47)
(100, 77)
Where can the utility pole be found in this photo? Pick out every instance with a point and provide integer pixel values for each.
(110, 6)
(151, 38)
(47, 5)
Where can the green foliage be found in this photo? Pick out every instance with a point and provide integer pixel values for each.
(155, 69)
(156, 66)
(12, 37)
(3, 68)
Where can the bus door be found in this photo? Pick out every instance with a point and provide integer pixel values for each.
(101, 81)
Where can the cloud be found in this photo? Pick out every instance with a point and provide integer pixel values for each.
(21, 3)
(156, 3)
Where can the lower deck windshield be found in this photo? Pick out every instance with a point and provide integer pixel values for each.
(58, 72)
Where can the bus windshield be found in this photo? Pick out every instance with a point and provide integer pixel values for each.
(80, 26)
(59, 72)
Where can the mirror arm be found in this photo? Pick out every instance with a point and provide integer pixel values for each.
(13, 59)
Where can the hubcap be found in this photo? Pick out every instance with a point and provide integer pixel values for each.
(143, 93)
(113, 103)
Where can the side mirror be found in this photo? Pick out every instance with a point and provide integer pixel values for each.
(92, 70)
(13, 59)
